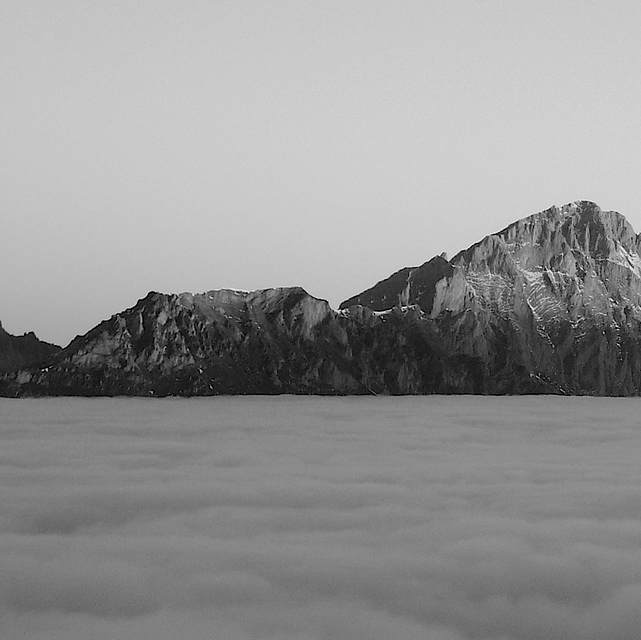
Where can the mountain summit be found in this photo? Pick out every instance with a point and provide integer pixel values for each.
(557, 253)
(554, 297)
(550, 304)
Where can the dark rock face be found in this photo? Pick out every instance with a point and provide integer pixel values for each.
(405, 287)
(269, 341)
(551, 304)
(17, 352)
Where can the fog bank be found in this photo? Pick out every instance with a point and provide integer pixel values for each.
(439, 518)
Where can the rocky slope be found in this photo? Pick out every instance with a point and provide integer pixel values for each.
(551, 304)
(553, 298)
(17, 352)
(231, 342)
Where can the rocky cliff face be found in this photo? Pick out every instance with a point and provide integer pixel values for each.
(231, 342)
(553, 300)
(551, 304)
(23, 351)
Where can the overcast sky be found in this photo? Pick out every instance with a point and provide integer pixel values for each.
(193, 145)
(297, 518)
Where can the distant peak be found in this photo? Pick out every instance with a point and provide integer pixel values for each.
(581, 207)
(578, 212)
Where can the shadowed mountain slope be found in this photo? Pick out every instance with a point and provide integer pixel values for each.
(231, 342)
(23, 351)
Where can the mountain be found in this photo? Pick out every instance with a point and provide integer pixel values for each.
(261, 342)
(554, 297)
(550, 304)
(17, 352)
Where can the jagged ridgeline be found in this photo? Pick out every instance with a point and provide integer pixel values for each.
(17, 352)
(551, 304)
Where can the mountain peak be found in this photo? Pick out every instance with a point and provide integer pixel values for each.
(572, 240)
(580, 207)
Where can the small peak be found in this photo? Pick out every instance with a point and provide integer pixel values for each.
(586, 204)
(150, 296)
(274, 293)
(580, 207)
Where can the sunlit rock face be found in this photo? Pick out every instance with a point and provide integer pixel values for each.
(551, 303)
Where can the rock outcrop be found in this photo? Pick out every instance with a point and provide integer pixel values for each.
(260, 342)
(18, 352)
(551, 304)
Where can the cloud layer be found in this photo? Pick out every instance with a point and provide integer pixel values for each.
(439, 518)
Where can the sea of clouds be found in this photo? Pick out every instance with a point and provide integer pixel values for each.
(289, 518)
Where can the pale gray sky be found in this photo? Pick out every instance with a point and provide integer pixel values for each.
(193, 145)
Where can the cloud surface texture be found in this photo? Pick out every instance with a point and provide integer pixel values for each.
(288, 518)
